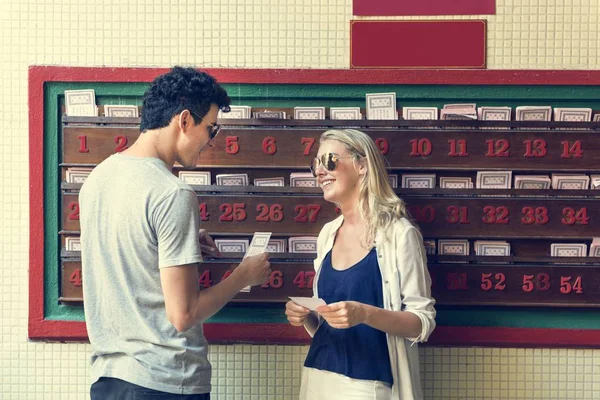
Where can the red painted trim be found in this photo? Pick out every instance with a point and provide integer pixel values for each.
(429, 7)
(36, 200)
(514, 337)
(330, 76)
(219, 333)
(41, 329)
(256, 333)
(368, 50)
(442, 336)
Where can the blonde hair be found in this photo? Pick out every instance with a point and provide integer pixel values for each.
(378, 205)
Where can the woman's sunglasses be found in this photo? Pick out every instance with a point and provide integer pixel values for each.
(213, 130)
(328, 160)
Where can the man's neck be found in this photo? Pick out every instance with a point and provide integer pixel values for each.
(153, 143)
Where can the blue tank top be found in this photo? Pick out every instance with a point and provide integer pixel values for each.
(359, 352)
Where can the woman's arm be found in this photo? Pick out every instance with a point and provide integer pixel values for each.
(346, 314)
(415, 281)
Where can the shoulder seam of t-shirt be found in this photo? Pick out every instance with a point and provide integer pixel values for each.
(169, 195)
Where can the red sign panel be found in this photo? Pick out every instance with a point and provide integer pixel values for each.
(428, 7)
(418, 44)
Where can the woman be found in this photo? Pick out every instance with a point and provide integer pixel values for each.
(371, 271)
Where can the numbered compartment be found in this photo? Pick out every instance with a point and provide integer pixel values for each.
(512, 285)
(71, 282)
(463, 217)
(417, 149)
(294, 146)
(242, 214)
(93, 144)
(286, 279)
(438, 217)
(280, 215)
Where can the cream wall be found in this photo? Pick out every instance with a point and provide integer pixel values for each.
(525, 34)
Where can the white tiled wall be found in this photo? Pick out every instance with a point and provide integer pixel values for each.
(525, 34)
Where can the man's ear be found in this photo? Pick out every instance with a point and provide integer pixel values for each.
(183, 120)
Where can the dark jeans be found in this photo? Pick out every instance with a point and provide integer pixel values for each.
(116, 389)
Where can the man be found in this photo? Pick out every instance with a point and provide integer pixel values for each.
(140, 249)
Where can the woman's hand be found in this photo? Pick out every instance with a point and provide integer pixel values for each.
(344, 314)
(296, 314)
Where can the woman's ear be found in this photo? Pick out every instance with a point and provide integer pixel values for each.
(362, 166)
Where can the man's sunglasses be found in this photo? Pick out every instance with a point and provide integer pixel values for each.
(328, 160)
(213, 130)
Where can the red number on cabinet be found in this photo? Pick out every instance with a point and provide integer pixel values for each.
(74, 214)
(458, 148)
(121, 142)
(235, 212)
(575, 217)
(275, 281)
(540, 282)
(498, 148)
(231, 145)
(204, 280)
(457, 281)
(495, 215)
(304, 279)
(571, 150)
(306, 213)
(566, 286)
(487, 283)
(83, 144)
(273, 213)
(535, 148)
(226, 275)
(538, 215)
(75, 277)
(420, 147)
(457, 215)
(308, 143)
(269, 145)
(203, 212)
(422, 214)
(383, 145)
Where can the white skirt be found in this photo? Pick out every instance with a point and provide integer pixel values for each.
(325, 385)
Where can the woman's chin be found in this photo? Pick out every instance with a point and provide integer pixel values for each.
(329, 196)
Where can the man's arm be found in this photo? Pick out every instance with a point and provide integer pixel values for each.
(186, 305)
(176, 222)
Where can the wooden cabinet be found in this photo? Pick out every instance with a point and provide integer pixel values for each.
(528, 219)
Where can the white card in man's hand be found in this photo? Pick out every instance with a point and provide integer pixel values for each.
(309, 302)
(259, 244)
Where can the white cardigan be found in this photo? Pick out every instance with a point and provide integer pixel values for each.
(406, 287)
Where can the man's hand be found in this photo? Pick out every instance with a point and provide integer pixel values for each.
(255, 269)
(207, 244)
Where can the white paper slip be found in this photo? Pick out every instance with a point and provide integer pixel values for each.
(81, 103)
(258, 245)
(121, 111)
(309, 302)
(381, 106)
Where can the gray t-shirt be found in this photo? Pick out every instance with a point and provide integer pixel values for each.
(137, 217)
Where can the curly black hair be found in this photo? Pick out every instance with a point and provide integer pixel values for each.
(180, 89)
